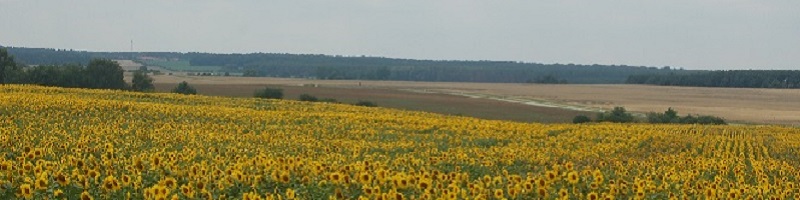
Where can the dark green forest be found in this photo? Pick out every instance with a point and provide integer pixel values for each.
(727, 78)
(364, 68)
(380, 68)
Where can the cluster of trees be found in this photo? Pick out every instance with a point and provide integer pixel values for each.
(671, 117)
(728, 78)
(269, 93)
(549, 79)
(311, 98)
(366, 68)
(277, 93)
(98, 74)
(620, 115)
(377, 68)
(184, 88)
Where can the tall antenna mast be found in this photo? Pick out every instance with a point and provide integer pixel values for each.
(131, 49)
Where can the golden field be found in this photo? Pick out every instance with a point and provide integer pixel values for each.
(99, 144)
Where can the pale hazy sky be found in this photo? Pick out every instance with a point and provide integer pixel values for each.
(694, 34)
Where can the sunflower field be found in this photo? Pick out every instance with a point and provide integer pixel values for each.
(100, 144)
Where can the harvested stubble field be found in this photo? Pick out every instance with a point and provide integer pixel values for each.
(773, 106)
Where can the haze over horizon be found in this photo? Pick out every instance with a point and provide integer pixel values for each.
(690, 34)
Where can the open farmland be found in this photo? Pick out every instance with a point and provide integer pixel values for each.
(113, 145)
(437, 103)
(772, 106)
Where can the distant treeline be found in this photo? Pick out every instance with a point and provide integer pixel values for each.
(365, 68)
(729, 78)
(97, 74)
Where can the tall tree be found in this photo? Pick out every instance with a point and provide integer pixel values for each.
(7, 66)
(142, 82)
(106, 74)
(184, 88)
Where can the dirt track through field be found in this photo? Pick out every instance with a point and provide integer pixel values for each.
(773, 106)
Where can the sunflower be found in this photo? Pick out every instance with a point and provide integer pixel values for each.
(93, 174)
(592, 196)
(424, 184)
(62, 179)
(498, 194)
(284, 177)
(335, 177)
(187, 191)
(367, 190)
(290, 194)
(41, 183)
(110, 183)
(169, 182)
(86, 196)
(126, 180)
(551, 176)
(365, 178)
(563, 193)
(573, 177)
(541, 192)
(26, 191)
(58, 193)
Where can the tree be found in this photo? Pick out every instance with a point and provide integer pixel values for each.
(618, 115)
(8, 68)
(366, 103)
(307, 97)
(581, 119)
(269, 93)
(142, 82)
(105, 74)
(184, 88)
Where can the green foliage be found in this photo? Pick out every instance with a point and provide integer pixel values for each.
(581, 119)
(184, 88)
(671, 117)
(366, 103)
(99, 74)
(341, 67)
(269, 93)
(105, 74)
(728, 78)
(308, 97)
(618, 115)
(142, 82)
(8, 68)
(329, 100)
(549, 79)
(181, 65)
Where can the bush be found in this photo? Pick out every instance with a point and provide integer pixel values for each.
(618, 115)
(366, 103)
(329, 100)
(184, 88)
(308, 97)
(269, 93)
(142, 82)
(671, 117)
(581, 119)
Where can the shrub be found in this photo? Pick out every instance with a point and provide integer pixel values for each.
(581, 119)
(329, 100)
(142, 82)
(308, 97)
(269, 93)
(671, 117)
(184, 88)
(366, 103)
(618, 115)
